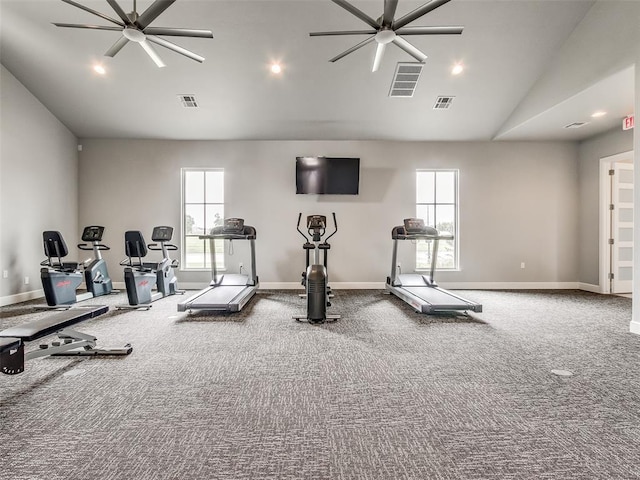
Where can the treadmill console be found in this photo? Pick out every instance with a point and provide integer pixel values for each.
(92, 233)
(233, 225)
(162, 234)
(413, 225)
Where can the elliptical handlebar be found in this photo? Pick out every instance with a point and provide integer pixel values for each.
(335, 226)
(300, 231)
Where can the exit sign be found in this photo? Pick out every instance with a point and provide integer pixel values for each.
(628, 122)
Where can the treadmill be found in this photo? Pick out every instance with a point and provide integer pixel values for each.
(421, 291)
(226, 292)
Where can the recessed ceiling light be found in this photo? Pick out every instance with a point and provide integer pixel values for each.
(99, 69)
(597, 114)
(276, 68)
(457, 69)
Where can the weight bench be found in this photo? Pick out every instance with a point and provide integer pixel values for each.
(72, 342)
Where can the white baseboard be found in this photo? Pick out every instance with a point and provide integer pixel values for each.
(509, 285)
(334, 285)
(185, 286)
(634, 327)
(448, 285)
(380, 286)
(21, 297)
(589, 287)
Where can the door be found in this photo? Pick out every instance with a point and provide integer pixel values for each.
(621, 228)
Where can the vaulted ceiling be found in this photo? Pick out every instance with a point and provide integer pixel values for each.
(531, 67)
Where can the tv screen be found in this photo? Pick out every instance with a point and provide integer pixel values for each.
(327, 175)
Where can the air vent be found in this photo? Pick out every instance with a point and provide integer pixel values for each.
(188, 101)
(576, 125)
(442, 103)
(405, 79)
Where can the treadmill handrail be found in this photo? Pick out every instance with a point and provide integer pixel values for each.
(420, 236)
(227, 236)
(428, 233)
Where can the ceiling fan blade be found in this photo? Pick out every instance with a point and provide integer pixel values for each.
(358, 13)
(410, 49)
(418, 12)
(152, 53)
(344, 32)
(389, 12)
(175, 48)
(116, 47)
(452, 30)
(94, 27)
(87, 9)
(178, 32)
(353, 49)
(151, 13)
(116, 8)
(378, 58)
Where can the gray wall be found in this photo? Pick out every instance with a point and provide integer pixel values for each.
(590, 153)
(38, 183)
(531, 202)
(518, 202)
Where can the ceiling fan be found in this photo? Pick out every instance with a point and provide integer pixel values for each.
(387, 29)
(135, 28)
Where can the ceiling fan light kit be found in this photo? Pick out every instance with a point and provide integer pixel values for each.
(387, 29)
(385, 36)
(135, 28)
(133, 34)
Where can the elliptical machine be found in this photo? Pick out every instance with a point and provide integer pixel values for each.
(315, 278)
(60, 279)
(140, 277)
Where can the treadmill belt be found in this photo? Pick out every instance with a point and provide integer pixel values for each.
(218, 297)
(438, 298)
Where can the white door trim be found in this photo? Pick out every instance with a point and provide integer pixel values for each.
(603, 223)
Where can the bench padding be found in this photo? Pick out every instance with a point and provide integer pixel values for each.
(50, 325)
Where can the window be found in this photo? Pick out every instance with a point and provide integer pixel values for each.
(202, 209)
(437, 205)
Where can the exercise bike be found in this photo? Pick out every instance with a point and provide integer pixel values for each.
(140, 277)
(61, 279)
(315, 277)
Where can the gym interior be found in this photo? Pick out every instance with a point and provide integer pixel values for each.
(537, 378)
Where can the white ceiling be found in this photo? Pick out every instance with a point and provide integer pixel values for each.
(525, 77)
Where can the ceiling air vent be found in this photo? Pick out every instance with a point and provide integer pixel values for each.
(442, 103)
(188, 101)
(576, 125)
(405, 79)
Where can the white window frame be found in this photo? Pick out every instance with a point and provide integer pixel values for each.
(456, 208)
(184, 235)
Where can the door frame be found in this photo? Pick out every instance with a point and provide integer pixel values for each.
(603, 224)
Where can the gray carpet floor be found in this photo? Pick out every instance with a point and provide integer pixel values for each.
(384, 393)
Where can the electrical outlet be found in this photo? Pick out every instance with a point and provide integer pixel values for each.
(26, 280)
(522, 265)
(5, 274)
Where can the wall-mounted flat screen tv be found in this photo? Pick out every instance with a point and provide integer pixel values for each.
(327, 175)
